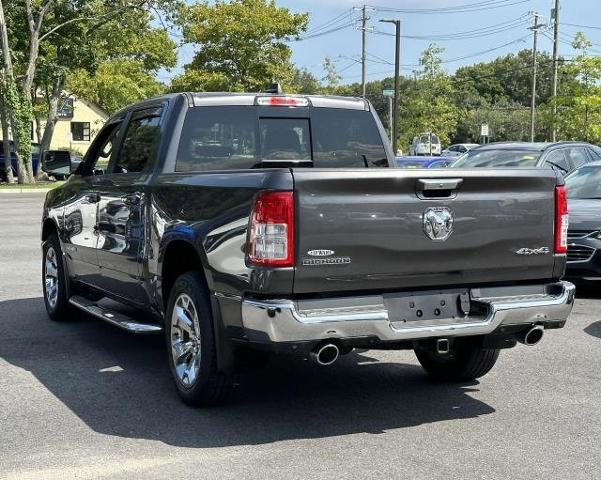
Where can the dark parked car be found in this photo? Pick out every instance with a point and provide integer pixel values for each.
(416, 161)
(243, 223)
(584, 234)
(561, 156)
(35, 158)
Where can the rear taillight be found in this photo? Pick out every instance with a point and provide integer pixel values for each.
(271, 236)
(561, 219)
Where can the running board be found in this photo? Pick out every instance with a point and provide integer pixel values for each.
(115, 318)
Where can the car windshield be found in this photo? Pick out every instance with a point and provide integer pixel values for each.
(498, 158)
(585, 182)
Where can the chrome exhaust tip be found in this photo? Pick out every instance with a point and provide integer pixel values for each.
(532, 336)
(325, 354)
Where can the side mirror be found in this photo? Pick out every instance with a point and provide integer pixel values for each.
(57, 163)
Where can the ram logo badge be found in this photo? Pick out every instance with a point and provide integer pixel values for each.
(438, 223)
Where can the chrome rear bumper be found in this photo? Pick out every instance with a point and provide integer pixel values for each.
(285, 321)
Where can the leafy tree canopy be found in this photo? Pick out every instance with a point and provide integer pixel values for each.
(241, 42)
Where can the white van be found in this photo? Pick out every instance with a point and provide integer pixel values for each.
(421, 144)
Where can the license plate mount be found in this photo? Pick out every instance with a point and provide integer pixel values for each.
(430, 307)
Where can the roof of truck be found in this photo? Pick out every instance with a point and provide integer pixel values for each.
(232, 98)
(204, 99)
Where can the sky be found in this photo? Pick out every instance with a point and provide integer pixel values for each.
(470, 31)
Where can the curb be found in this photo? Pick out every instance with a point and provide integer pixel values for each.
(23, 190)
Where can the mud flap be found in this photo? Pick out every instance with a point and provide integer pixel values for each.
(225, 348)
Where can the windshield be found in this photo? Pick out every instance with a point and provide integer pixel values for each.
(242, 137)
(498, 158)
(585, 183)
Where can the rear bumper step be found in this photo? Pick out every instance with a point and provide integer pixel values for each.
(113, 317)
(282, 320)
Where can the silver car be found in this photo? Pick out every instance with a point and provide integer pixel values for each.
(458, 149)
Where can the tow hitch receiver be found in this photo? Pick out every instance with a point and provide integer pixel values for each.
(442, 346)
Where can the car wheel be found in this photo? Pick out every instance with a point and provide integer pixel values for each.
(191, 346)
(54, 280)
(466, 361)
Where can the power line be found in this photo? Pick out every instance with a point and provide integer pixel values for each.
(472, 7)
(482, 32)
(329, 23)
(408, 67)
(320, 34)
(594, 27)
(483, 52)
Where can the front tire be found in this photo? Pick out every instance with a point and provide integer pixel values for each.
(191, 346)
(54, 280)
(467, 360)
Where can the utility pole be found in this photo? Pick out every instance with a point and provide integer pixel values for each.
(555, 66)
(364, 19)
(397, 81)
(534, 28)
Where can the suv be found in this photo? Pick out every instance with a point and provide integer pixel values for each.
(238, 224)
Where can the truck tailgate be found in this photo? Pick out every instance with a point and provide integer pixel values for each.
(360, 230)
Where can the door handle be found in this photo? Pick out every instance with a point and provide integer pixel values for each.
(132, 198)
(439, 184)
(438, 188)
(92, 197)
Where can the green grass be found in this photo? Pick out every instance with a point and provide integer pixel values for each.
(16, 186)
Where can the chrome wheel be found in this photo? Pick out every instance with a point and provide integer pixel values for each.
(51, 277)
(185, 340)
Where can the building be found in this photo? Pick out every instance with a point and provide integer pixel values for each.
(78, 123)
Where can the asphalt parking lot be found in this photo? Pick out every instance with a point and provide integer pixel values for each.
(85, 400)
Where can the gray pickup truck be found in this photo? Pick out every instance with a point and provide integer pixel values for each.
(240, 224)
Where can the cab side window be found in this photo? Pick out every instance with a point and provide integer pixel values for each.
(140, 142)
(102, 150)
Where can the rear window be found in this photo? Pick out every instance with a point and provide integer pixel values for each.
(426, 138)
(500, 158)
(243, 137)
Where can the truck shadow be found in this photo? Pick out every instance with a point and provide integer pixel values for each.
(594, 329)
(119, 384)
(589, 290)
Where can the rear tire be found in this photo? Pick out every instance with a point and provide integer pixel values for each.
(467, 360)
(54, 280)
(191, 346)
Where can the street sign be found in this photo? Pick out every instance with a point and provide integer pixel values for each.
(388, 93)
(484, 130)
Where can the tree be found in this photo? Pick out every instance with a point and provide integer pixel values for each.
(240, 44)
(303, 81)
(39, 44)
(331, 76)
(428, 105)
(115, 83)
(579, 102)
(128, 52)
